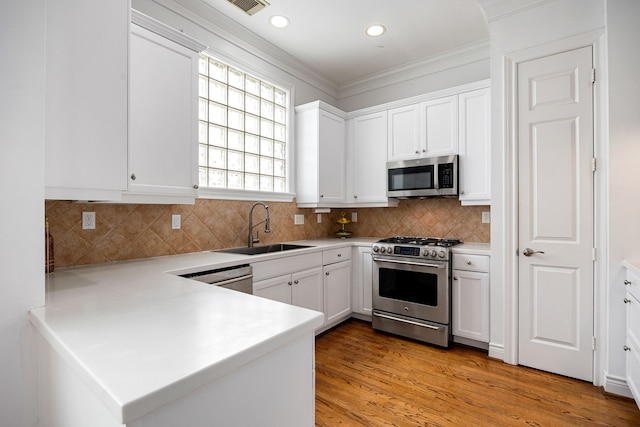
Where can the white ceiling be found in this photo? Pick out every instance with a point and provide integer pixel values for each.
(329, 35)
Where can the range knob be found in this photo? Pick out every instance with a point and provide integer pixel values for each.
(390, 250)
(441, 254)
(434, 253)
(375, 248)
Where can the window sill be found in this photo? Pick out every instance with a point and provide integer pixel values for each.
(225, 194)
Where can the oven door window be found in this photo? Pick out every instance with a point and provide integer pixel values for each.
(411, 178)
(410, 286)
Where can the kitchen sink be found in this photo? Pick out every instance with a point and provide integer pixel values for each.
(276, 247)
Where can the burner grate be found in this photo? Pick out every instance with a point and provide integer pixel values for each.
(421, 241)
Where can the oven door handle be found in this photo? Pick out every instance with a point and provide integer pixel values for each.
(419, 264)
(397, 319)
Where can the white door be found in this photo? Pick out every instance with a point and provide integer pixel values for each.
(555, 130)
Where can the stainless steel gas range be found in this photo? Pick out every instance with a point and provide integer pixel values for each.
(412, 287)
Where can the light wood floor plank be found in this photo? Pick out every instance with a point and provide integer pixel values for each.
(368, 378)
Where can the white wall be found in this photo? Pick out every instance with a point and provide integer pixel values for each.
(22, 214)
(623, 33)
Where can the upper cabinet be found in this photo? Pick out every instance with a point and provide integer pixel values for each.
(475, 147)
(163, 118)
(425, 129)
(366, 160)
(86, 99)
(320, 155)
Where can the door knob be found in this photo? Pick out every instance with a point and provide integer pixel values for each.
(529, 252)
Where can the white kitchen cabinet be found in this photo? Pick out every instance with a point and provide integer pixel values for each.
(404, 133)
(163, 117)
(320, 155)
(470, 295)
(302, 289)
(337, 285)
(86, 99)
(475, 147)
(362, 285)
(425, 129)
(439, 127)
(367, 155)
(632, 344)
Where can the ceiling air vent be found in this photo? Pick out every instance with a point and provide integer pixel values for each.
(250, 6)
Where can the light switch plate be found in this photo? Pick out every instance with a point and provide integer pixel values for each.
(486, 217)
(298, 219)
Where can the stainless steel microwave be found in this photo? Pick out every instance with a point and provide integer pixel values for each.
(425, 177)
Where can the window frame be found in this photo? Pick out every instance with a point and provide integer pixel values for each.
(242, 194)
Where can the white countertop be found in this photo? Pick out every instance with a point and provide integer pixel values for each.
(140, 336)
(473, 249)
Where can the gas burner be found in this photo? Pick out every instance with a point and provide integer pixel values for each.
(421, 241)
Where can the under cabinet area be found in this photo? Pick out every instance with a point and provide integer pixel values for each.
(470, 295)
(632, 342)
(163, 123)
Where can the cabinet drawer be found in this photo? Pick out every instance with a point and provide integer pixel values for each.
(632, 284)
(471, 262)
(331, 256)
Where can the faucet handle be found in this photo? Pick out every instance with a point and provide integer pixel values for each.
(257, 238)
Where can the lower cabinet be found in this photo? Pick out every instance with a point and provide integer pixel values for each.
(362, 285)
(303, 289)
(470, 289)
(337, 291)
(632, 344)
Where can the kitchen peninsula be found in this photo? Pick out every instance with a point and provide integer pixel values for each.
(131, 344)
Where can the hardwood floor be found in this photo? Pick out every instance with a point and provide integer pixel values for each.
(367, 378)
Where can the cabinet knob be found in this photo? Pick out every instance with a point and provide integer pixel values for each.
(424, 150)
(627, 282)
(339, 255)
(355, 196)
(322, 195)
(626, 348)
(627, 300)
(133, 177)
(295, 282)
(326, 274)
(196, 186)
(468, 262)
(417, 152)
(289, 283)
(462, 192)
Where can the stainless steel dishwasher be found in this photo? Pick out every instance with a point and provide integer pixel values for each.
(238, 277)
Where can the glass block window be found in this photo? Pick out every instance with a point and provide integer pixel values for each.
(242, 130)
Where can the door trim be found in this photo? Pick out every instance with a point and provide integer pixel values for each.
(509, 228)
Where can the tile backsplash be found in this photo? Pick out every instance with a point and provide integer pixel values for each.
(130, 231)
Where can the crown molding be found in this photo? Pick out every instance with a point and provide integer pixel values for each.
(468, 54)
(500, 9)
(165, 31)
(207, 17)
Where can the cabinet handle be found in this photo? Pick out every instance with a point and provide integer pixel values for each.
(196, 186)
(339, 255)
(424, 150)
(326, 274)
(289, 283)
(322, 195)
(626, 348)
(468, 262)
(462, 192)
(627, 300)
(133, 177)
(627, 282)
(295, 282)
(455, 277)
(355, 196)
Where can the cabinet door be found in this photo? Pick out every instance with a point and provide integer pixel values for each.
(337, 291)
(633, 346)
(470, 314)
(277, 288)
(439, 126)
(163, 116)
(86, 99)
(369, 158)
(363, 281)
(475, 147)
(404, 133)
(306, 290)
(331, 158)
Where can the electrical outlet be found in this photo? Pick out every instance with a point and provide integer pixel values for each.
(486, 217)
(175, 222)
(298, 219)
(88, 220)
(354, 216)
(319, 218)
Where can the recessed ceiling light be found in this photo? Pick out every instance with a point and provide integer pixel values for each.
(375, 30)
(279, 21)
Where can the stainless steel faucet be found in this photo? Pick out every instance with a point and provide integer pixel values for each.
(267, 227)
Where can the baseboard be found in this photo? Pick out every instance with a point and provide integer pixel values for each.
(496, 351)
(616, 385)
